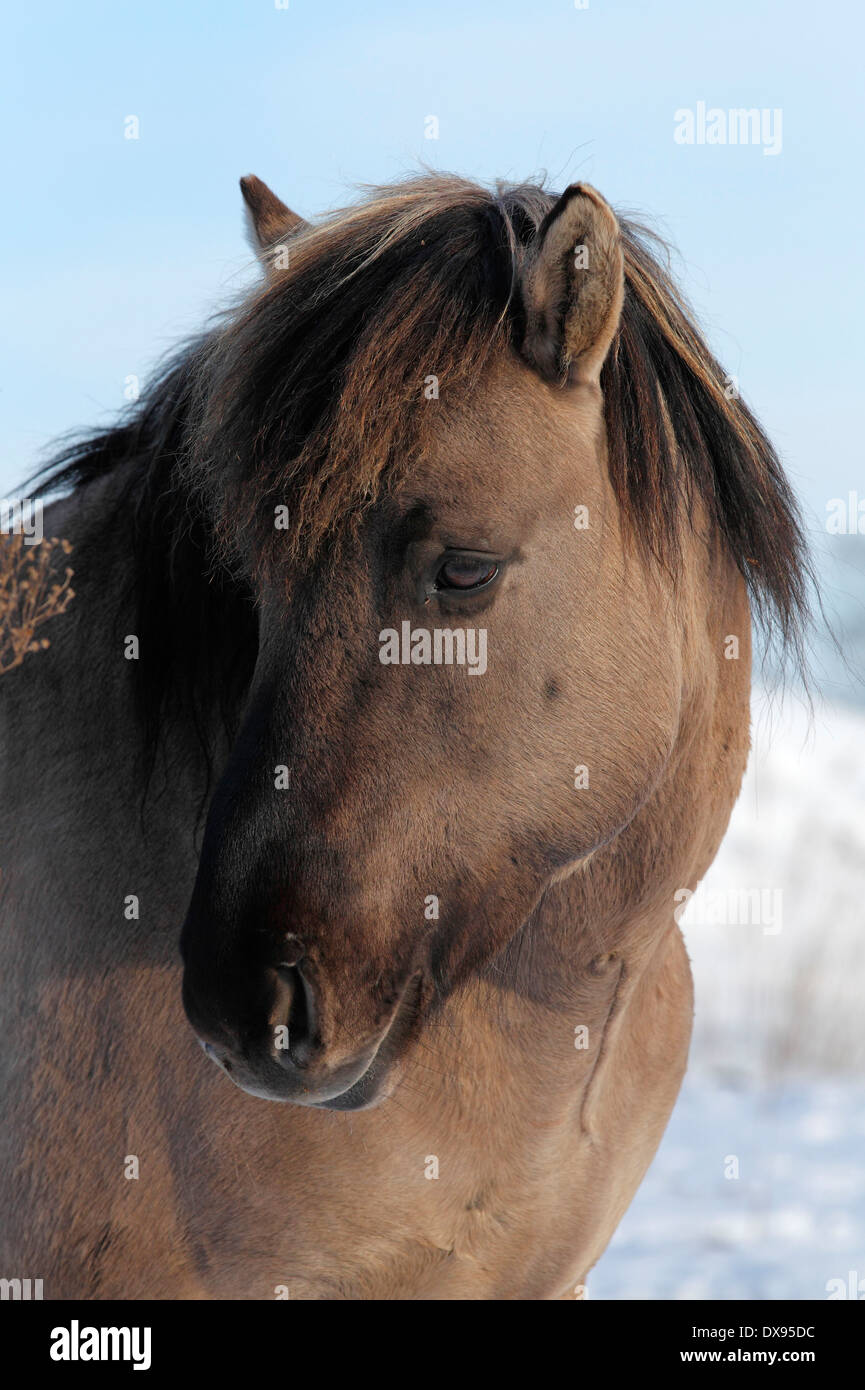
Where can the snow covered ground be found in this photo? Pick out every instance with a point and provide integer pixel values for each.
(758, 1189)
(792, 1221)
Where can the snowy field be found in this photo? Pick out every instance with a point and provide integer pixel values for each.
(758, 1189)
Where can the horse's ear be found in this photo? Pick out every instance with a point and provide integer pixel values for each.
(269, 218)
(573, 287)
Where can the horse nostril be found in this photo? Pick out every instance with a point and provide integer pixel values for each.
(291, 952)
(301, 1020)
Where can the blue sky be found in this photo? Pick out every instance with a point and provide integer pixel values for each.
(113, 249)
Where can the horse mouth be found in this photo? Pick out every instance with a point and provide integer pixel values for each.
(382, 1075)
(260, 1076)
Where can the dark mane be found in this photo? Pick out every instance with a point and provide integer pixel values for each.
(311, 395)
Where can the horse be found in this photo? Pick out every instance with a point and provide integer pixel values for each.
(431, 1006)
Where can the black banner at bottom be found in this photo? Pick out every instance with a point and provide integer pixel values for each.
(217, 1339)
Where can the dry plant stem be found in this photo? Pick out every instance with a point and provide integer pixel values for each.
(30, 594)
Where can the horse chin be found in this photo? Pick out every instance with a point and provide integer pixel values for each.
(366, 1093)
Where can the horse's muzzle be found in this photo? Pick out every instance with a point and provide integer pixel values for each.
(289, 1060)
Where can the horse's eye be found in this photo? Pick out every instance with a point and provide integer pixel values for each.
(465, 574)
